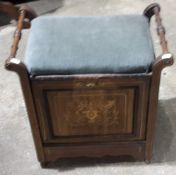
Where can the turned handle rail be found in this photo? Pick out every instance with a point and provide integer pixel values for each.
(166, 58)
(25, 15)
(151, 10)
(161, 30)
(17, 34)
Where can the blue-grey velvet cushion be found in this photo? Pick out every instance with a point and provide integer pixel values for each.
(80, 45)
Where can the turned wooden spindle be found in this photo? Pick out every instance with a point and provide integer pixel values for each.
(17, 34)
(25, 15)
(161, 30)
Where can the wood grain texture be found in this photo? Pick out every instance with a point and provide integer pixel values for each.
(127, 97)
(133, 149)
(165, 59)
(13, 64)
(95, 112)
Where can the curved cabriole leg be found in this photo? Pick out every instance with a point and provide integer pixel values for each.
(25, 15)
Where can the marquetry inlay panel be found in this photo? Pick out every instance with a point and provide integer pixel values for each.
(95, 112)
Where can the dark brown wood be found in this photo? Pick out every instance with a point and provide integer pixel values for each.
(107, 88)
(92, 115)
(165, 59)
(19, 67)
(9, 9)
(91, 112)
(16, 65)
(15, 12)
(17, 34)
(23, 14)
(133, 149)
(160, 63)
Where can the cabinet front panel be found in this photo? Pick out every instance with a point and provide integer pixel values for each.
(95, 112)
(91, 109)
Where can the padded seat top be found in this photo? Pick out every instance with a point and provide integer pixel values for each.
(83, 45)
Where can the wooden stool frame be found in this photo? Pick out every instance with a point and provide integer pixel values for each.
(139, 146)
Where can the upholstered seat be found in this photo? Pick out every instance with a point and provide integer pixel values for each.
(80, 45)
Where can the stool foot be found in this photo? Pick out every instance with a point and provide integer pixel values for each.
(44, 164)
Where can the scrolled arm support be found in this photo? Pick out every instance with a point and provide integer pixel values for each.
(163, 61)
